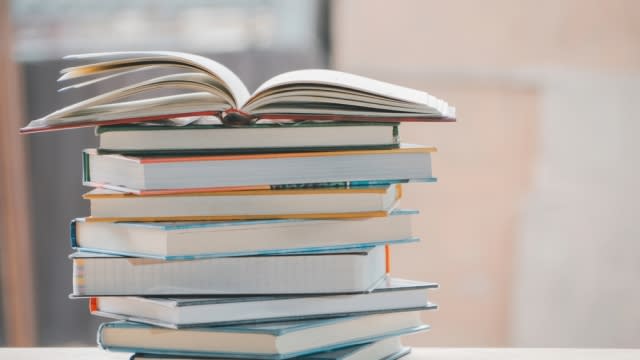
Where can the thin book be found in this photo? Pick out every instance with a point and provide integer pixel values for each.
(145, 139)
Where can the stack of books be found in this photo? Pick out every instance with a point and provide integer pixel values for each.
(229, 225)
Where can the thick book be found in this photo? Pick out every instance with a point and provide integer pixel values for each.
(386, 349)
(260, 341)
(210, 139)
(298, 95)
(193, 240)
(309, 203)
(179, 312)
(118, 172)
(348, 271)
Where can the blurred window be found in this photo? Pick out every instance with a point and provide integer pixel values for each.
(54, 28)
(256, 39)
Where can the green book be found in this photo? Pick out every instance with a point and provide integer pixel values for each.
(219, 139)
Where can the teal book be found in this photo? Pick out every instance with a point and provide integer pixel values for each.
(257, 138)
(196, 240)
(262, 341)
(386, 349)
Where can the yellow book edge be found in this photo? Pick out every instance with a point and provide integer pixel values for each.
(307, 191)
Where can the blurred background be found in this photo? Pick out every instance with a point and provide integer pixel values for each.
(532, 230)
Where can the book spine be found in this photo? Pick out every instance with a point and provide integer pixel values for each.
(86, 175)
(73, 238)
(337, 184)
(79, 282)
(93, 305)
(101, 344)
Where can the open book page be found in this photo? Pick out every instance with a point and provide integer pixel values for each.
(194, 81)
(317, 96)
(127, 61)
(195, 105)
(337, 79)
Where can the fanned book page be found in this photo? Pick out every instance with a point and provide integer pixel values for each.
(215, 90)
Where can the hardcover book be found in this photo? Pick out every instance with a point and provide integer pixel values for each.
(193, 240)
(297, 95)
(407, 163)
(258, 138)
(179, 312)
(260, 341)
(305, 203)
(386, 349)
(348, 271)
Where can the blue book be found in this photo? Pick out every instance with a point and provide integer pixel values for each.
(386, 349)
(195, 240)
(263, 341)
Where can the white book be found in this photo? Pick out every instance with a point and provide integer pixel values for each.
(406, 163)
(282, 340)
(215, 90)
(386, 349)
(350, 271)
(109, 205)
(179, 312)
(190, 240)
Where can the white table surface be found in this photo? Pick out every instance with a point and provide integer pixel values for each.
(416, 354)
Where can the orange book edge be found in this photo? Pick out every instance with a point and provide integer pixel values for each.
(404, 148)
(387, 259)
(93, 304)
(353, 215)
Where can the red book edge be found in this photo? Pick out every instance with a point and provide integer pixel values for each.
(275, 117)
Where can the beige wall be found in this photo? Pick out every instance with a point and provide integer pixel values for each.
(512, 231)
(468, 219)
(479, 35)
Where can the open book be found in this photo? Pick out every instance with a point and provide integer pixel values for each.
(215, 90)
